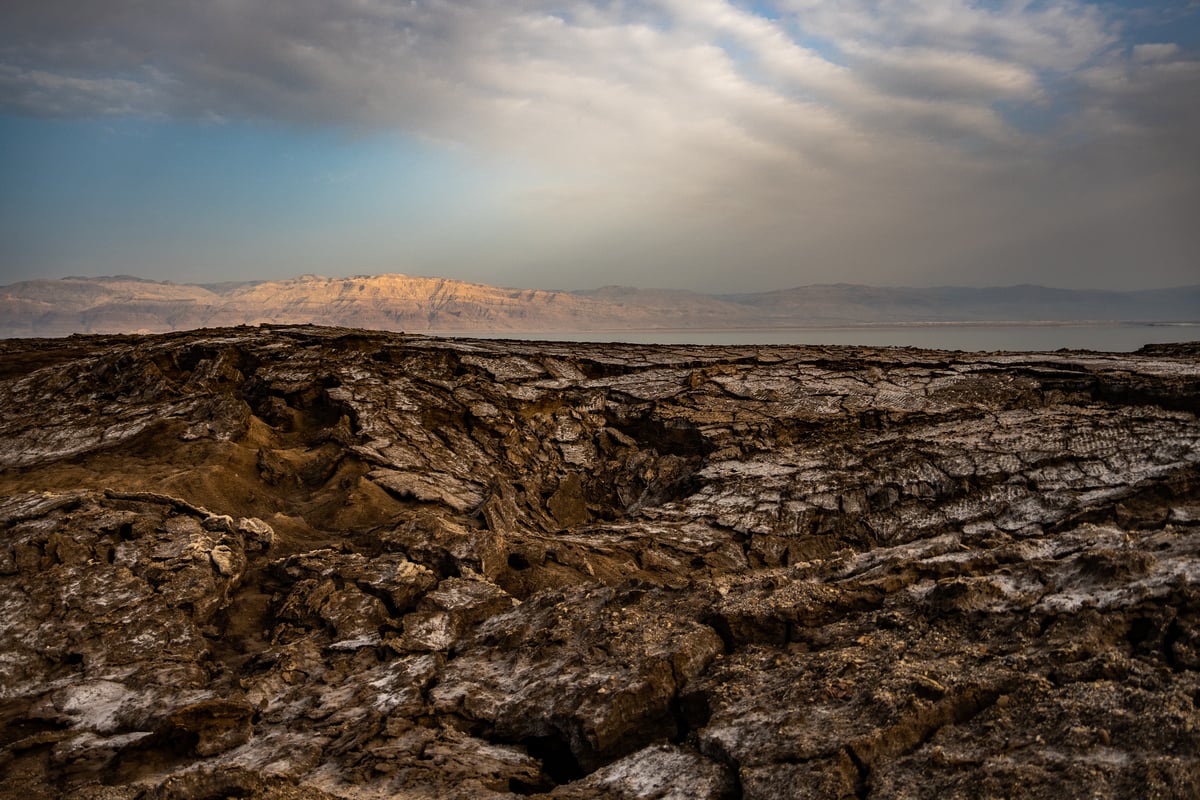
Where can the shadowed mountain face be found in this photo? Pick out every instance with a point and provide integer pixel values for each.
(402, 303)
(316, 562)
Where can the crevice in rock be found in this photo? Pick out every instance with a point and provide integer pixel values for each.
(17, 730)
(554, 753)
(736, 790)
(691, 712)
(1129, 391)
(665, 437)
(862, 784)
(1172, 636)
(152, 755)
(525, 788)
(722, 628)
(955, 710)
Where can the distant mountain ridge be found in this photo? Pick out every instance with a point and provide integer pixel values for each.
(127, 304)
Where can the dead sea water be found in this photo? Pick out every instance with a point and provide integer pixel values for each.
(1105, 337)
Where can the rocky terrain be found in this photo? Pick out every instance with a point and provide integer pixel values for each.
(303, 562)
(405, 303)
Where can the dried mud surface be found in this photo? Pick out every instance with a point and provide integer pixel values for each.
(297, 562)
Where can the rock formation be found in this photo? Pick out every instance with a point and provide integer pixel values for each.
(304, 562)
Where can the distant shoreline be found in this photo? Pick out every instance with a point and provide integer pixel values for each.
(1042, 336)
(832, 326)
(954, 317)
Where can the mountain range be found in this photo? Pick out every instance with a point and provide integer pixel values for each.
(125, 304)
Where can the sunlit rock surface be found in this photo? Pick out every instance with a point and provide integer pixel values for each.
(311, 563)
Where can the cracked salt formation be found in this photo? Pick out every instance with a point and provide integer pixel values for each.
(306, 562)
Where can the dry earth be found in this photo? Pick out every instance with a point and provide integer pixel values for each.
(304, 562)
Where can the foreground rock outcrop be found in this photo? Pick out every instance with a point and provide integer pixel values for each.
(312, 563)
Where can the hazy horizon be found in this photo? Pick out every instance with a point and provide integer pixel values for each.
(707, 145)
(594, 288)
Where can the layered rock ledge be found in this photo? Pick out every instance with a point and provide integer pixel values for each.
(304, 562)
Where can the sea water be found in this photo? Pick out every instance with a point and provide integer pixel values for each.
(1105, 337)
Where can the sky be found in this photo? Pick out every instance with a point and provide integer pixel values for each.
(712, 145)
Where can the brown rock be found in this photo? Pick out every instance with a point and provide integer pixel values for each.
(308, 563)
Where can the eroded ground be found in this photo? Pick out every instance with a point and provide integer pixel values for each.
(311, 563)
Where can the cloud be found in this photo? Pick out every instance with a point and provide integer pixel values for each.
(1155, 51)
(961, 76)
(448, 69)
(44, 93)
(852, 133)
(1060, 35)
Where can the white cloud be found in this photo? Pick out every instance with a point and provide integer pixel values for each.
(1060, 35)
(1157, 51)
(839, 135)
(961, 76)
(43, 92)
